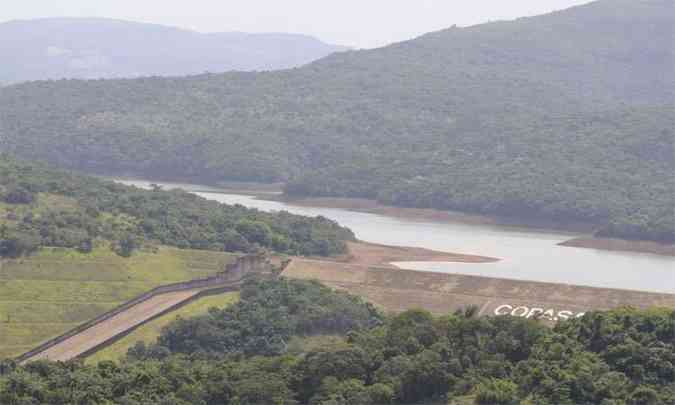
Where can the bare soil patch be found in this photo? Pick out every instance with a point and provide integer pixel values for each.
(371, 254)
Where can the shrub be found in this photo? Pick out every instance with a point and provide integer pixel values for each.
(19, 243)
(18, 195)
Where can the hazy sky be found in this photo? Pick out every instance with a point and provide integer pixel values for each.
(359, 23)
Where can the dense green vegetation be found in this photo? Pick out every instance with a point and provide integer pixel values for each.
(565, 117)
(45, 207)
(269, 314)
(624, 356)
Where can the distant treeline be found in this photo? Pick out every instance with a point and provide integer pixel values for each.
(40, 206)
(248, 354)
(564, 117)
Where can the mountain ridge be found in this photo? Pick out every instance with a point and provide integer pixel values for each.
(93, 48)
(564, 116)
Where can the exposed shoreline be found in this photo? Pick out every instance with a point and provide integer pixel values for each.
(443, 293)
(429, 214)
(372, 254)
(581, 235)
(622, 245)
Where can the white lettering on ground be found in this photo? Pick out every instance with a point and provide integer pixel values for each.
(535, 312)
(500, 309)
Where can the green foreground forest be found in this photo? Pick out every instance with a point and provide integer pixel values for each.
(43, 207)
(565, 117)
(257, 352)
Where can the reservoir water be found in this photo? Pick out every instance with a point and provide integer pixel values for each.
(525, 254)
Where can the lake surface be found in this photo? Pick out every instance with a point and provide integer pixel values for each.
(525, 254)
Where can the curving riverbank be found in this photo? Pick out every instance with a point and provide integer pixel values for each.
(273, 192)
(621, 245)
(429, 214)
(525, 253)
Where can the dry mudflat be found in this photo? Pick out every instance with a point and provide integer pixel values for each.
(366, 271)
(371, 254)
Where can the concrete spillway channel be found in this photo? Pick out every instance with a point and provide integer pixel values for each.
(106, 328)
(122, 323)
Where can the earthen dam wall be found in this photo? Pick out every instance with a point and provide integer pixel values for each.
(228, 280)
(397, 290)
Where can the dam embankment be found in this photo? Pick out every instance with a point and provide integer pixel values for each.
(112, 325)
(398, 289)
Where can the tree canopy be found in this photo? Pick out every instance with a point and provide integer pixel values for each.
(567, 116)
(47, 207)
(239, 356)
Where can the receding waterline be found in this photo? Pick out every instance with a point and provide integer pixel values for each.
(525, 254)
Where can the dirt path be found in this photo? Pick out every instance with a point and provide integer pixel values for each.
(106, 330)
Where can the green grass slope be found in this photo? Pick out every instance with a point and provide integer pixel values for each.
(567, 116)
(55, 290)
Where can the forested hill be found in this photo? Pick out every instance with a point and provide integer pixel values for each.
(55, 48)
(566, 116)
(42, 207)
